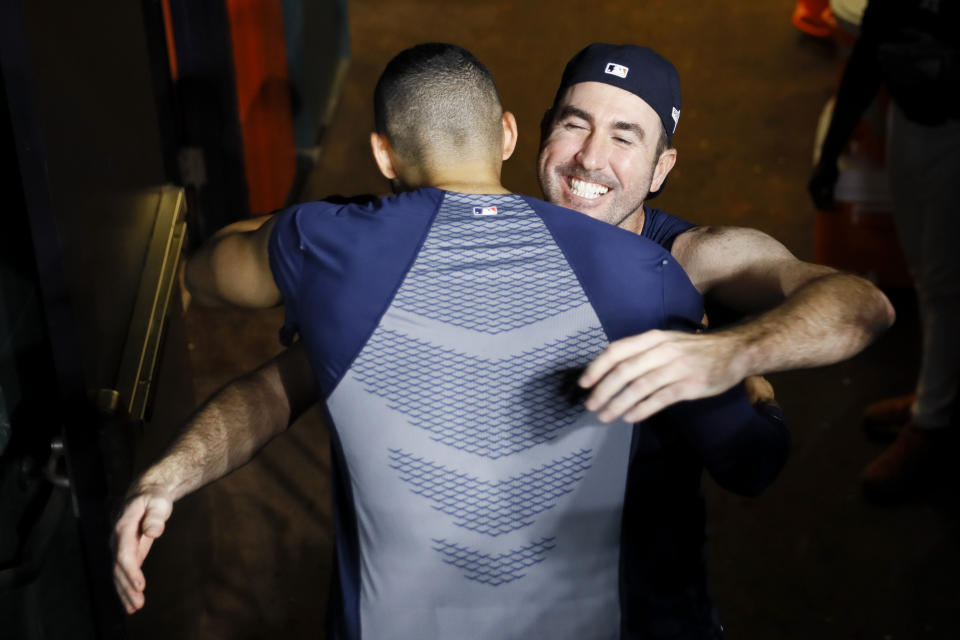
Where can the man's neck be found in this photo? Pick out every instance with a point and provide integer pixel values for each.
(462, 177)
(634, 221)
(471, 187)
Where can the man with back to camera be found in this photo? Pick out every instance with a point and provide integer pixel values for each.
(473, 499)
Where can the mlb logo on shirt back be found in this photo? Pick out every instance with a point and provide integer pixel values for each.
(615, 69)
(484, 211)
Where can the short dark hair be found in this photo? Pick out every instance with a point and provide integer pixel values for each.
(437, 98)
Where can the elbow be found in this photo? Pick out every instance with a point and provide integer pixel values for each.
(876, 313)
(887, 315)
(755, 457)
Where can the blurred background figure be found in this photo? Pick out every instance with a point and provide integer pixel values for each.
(911, 48)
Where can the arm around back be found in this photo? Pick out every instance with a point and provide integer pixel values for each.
(813, 315)
(221, 436)
(817, 316)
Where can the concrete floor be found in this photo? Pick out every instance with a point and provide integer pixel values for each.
(249, 556)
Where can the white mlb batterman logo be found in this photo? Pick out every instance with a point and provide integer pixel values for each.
(484, 211)
(615, 69)
(676, 117)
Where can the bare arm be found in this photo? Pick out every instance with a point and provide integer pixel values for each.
(221, 436)
(232, 268)
(819, 316)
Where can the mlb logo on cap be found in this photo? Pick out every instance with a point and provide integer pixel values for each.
(615, 69)
(484, 211)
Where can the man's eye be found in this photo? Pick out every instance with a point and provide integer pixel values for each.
(623, 141)
(573, 126)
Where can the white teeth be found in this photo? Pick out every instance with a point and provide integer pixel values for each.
(587, 189)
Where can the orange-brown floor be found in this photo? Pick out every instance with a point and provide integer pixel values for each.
(249, 556)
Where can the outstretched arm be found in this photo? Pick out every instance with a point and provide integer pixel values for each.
(221, 436)
(232, 268)
(819, 316)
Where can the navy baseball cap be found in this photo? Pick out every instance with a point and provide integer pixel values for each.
(639, 70)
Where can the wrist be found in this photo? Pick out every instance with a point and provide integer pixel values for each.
(745, 353)
(154, 483)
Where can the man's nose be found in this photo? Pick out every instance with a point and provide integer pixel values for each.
(592, 155)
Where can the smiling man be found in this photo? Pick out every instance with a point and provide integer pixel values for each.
(606, 148)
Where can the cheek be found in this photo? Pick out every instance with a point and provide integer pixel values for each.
(557, 151)
(629, 172)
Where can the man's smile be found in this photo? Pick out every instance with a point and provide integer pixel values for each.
(586, 189)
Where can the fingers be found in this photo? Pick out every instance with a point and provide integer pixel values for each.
(656, 402)
(618, 351)
(636, 377)
(632, 377)
(627, 385)
(142, 521)
(759, 390)
(129, 580)
(130, 595)
(127, 575)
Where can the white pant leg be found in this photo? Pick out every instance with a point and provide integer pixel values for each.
(925, 181)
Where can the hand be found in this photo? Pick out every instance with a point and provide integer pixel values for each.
(759, 390)
(821, 186)
(142, 521)
(638, 376)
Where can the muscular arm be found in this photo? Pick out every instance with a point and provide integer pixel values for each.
(232, 268)
(221, 436)
(819, 316)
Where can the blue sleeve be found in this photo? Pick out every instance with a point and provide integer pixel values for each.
(286, 263)
(339, 265)
(742, 447)
(663, 228)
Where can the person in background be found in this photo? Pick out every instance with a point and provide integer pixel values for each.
(912, 47)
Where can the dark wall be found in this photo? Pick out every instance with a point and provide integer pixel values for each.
(83, 125)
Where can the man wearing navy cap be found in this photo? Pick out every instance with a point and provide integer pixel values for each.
(607, 147)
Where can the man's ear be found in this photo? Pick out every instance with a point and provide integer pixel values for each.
(383, 155)
(509, 134)
(664, 164)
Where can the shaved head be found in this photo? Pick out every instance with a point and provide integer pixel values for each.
(436, 101)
